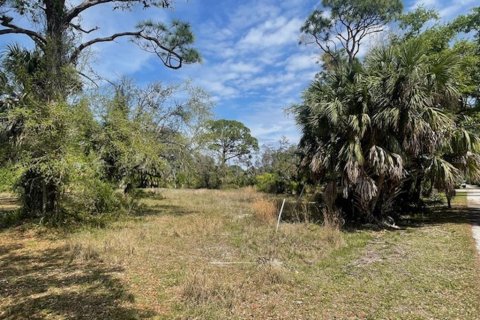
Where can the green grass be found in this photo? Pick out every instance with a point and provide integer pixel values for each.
(203, 255)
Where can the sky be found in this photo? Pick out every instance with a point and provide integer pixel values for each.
(252, 63)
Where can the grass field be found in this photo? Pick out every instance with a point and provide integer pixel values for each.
(206, 255)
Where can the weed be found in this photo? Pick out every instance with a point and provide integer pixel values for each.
(264, 210)
(201, 288)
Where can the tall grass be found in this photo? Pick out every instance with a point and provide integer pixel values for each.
(264, 210)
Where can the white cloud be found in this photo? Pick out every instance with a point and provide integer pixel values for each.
(244, 67)
(455, 8)
(424, 3)
(271, 123)
(275, 32)
(301, 62)
(252, 64)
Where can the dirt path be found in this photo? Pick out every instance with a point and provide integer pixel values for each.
(473, 202)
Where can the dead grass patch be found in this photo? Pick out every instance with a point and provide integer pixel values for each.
(271, 272)
(264, 210)
(200, 288)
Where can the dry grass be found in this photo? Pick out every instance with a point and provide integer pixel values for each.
(202, 254)
(264, 210)
(8, 202)
(201, 289)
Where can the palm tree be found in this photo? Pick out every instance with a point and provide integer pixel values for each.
(387, 125)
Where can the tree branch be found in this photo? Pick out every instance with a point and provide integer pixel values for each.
(83, 46)
(75, 11)
(13, 29)
(169, 57)
(79, 28)
(88, 78)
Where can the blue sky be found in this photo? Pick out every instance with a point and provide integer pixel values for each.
(252, 63)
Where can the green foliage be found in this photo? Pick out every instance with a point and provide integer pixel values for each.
(237, 177)
(469, 23)
(207, 174)
(88, 193)
(282, 163)
(374, 128)
(413, 21)
(347, 23)
(127, 147)
(66, 156)
(229, 139)
(9, 175)
(267, 182)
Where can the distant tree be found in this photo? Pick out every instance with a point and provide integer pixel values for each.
(469, 23)
(344, 24)
(229, 139)
(470, 50)
(206, 172)
(278, 167)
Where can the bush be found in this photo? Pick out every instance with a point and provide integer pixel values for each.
(275, 183)
(267, 182)
(88, 194)
(264, 210)
(8, 176)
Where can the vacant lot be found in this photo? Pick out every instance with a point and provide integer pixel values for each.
(204, 255)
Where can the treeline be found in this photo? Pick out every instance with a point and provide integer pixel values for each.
(69, 151)
(89, 155)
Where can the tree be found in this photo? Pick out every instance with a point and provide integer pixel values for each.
(41, 81)
(56, 26)
(470, 50)
(348, 23)
(146, 133)
(414, 21)
(229, 139)
(278, 168)
(386, 129)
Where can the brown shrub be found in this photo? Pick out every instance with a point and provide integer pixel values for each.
(264, 210)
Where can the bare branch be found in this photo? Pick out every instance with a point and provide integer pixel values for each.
(13, 29)
(79, 28)
(168, 56)
(88, 78)
(83, 46)
(75, 11)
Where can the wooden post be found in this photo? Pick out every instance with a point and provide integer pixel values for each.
(280, 215)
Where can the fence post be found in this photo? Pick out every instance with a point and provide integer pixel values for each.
(280, 216)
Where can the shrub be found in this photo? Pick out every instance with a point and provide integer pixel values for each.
(267, 182)
(264, 210)
(275, 183)
(8, 176)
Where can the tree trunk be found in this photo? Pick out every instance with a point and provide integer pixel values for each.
(40, 197)
(41, 194)
(56, 50)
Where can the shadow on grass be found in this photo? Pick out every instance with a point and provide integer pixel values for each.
(424, 217)
(47, 284)
(442, 215)
(10, 218)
